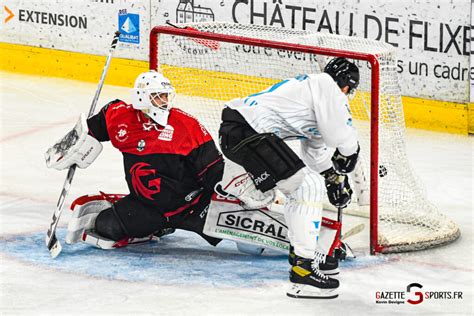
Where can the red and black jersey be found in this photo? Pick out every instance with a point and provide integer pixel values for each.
(163, 165)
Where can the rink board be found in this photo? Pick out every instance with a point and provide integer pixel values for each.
(419, 113)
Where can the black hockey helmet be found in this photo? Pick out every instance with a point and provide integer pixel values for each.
(343, 72)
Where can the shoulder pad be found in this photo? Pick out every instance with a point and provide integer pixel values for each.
(112, 103)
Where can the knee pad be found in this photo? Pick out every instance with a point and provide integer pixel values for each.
(303, 215)
(109, 226)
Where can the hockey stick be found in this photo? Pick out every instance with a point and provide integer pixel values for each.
(353, 231)
(53, 244)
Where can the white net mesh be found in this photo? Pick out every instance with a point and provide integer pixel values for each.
(207, 73)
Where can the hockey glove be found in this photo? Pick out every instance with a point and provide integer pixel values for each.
(345, 164)
(77, 147)
(337, 187)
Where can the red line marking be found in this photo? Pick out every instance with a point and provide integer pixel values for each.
(35, 129)
(26, 197)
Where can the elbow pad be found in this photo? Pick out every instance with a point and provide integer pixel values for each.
(345, 164)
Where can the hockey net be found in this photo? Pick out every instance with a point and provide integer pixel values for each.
(211, 63)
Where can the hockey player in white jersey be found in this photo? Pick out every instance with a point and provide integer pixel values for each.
(313, 108)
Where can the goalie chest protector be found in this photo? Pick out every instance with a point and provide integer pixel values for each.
(163, 164)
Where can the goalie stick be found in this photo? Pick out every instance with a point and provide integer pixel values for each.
(353, 231)
(53, 244)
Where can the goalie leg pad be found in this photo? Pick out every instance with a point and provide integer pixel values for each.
(303, 215)
(85, 211)
(260, 228)
(95, 222)
(266, 157)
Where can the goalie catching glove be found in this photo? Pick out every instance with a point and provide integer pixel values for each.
(77, 147)
(337, 187)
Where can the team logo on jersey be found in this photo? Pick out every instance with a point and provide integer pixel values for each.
(139, 170)
(141, 145)
(122, 133)
(167, 133)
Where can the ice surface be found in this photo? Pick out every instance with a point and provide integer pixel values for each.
(182, 274)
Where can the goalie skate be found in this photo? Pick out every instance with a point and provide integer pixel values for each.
(92, 238)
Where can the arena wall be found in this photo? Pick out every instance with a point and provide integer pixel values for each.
(69, 39)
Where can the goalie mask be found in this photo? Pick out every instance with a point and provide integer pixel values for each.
(153, 94)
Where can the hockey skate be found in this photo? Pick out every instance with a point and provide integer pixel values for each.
(309, 282)
(329, 266)
(91, 237)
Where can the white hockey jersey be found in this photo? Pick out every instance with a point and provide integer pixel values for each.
(310, 108)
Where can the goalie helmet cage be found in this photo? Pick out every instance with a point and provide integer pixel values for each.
(211, 63)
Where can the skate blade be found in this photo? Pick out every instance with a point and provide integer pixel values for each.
(308, 291)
